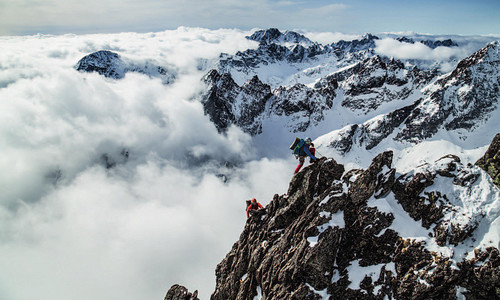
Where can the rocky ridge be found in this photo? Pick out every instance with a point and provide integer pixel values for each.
(429, 43)
(363, 83)
(458, 102)
(363, 87)
(351, 235)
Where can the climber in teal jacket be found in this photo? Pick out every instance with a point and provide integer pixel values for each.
(307, 149)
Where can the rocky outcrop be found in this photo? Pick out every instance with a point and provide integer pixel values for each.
(227, 103)
(106, 63)
(327, 238)
(490, 162)
(112, 65)
(178, 292)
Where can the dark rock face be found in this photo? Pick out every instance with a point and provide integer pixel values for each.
(306, 105)
(490, 162)
(111, 65)
(371, 133)
(178, 292)
(313, 240)
(228, 103)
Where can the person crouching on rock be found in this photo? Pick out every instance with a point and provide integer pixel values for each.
(303, 152)
(253, 207)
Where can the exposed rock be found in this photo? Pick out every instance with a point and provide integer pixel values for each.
(228, 103)
(459, 101)
(490, 162)
(366, 42)
(314, 239)
(377, 179)
(178, 292)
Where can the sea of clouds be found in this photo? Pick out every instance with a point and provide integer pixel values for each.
(171, 205)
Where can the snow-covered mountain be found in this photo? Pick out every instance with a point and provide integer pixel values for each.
(430, 233)
(112, 65)
(352, 96)
(462, 104)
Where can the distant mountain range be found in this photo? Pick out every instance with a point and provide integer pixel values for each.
(364, 97)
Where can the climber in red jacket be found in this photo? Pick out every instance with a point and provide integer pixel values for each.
(253, 207)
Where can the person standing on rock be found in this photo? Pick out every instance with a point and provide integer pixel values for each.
(253, 207)
(302, 150)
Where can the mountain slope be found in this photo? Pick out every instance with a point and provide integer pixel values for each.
(456, 104)
(350, 235)
(432, 233)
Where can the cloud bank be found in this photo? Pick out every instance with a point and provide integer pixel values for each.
(118, 189)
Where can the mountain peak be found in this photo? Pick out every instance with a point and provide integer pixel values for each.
(274, 35)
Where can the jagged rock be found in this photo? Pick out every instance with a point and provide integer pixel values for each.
(227, 103)
(306, 106)
(314, 239)
(376, 80)
(378, 178)
(462, 99)
(366, 42)
(178, 292)
(490, 162)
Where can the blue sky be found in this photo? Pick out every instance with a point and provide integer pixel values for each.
(26, 17)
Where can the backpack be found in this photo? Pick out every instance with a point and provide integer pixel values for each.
(249, 202)
(296, 145)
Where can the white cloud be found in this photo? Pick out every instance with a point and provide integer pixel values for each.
(401, 50)
(330, 37)
(69, 228)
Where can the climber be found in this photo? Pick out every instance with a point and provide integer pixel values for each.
(253, 207)
(304, 148)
